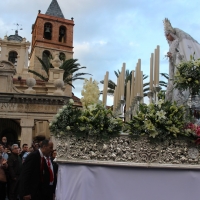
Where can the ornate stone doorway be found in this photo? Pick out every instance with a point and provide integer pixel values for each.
(11, 130)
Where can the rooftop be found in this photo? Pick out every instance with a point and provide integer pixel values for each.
(15, 37)
(54, 10)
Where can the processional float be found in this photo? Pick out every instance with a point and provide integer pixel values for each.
(122, 167)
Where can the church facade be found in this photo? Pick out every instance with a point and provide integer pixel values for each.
(27, 103)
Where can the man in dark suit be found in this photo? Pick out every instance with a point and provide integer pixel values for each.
(36, 180)
(14, 169)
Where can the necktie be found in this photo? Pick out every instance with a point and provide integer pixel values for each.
(42, 168)
(50, 170)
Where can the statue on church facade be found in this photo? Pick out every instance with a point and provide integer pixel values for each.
(181, 47)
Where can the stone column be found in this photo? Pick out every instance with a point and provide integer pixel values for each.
(26, 131)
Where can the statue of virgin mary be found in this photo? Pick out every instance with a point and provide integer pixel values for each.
(181, 47)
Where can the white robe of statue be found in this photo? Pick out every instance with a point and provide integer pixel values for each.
(181, 47)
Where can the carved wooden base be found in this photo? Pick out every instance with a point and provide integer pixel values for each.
(128, 152)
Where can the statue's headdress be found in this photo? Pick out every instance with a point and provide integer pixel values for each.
(168, 27)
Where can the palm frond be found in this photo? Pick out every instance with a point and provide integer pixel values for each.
(165, 75)
(117, 73)
(38, 75)
(45, 66)
(145, 76)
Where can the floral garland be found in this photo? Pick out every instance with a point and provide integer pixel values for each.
(161, 120)
(187, 76)
(94, 119)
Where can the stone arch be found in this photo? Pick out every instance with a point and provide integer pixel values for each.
(12, 56)
(11, 129)
(46, 55)
(62, 34)
(62, 56)
(48, 30)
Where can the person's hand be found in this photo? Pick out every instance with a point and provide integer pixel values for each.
(4, 162)
(28, 197)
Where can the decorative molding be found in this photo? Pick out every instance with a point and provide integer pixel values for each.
(28, 108)
(124, 151)
(32, 99)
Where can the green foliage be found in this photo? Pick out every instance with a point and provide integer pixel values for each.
(66, 117)
(161, 120)
(38, 75)
(187, 76)
(69, 66)
(94, 121)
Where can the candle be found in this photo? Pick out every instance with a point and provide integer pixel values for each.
(114, 100)
(158, 64)
(123, 79)
(128, 88)
(118, 91)
(132, 88)
(136, 79)
(139, 75)
(141, 86)
(151, 72)
(155, 67)
(127, 95)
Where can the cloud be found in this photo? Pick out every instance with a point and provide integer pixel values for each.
(108, 33)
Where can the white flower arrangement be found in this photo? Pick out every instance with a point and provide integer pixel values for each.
(90, 93)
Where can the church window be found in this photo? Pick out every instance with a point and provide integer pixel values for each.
(12, 57)
(62, 34)
(46, 55)
(47, 31)
(62, 56)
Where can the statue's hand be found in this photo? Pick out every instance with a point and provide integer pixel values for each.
(169, 54)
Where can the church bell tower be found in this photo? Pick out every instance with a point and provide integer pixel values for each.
(51, 33)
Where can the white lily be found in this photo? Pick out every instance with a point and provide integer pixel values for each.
(160, 102)
(161, 114)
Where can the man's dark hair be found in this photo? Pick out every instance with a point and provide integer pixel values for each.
(24, 145)
(39, 138)
(44, 143)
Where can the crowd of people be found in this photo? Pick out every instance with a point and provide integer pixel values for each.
(28, 172)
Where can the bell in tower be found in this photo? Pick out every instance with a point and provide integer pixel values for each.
(48, 31)
(62, 34)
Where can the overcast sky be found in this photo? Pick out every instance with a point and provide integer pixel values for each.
(109, 32)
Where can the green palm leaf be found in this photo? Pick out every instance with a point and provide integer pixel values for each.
(45, 66)
(38, 75)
